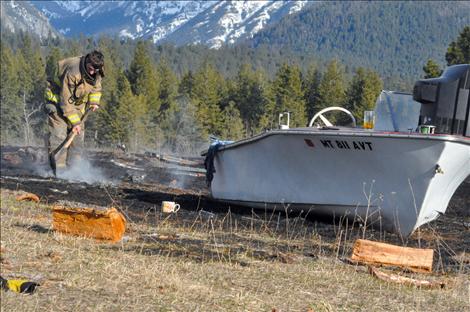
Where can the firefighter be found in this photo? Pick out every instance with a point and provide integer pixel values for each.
(76, 89)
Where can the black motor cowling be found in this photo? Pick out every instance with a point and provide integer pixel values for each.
(445, 101)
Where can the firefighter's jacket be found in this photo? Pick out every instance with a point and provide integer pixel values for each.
(76, 89)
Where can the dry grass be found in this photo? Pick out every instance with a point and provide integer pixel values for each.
(197, 261)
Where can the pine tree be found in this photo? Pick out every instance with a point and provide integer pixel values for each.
(10, 108)
(207, 95)
(431, 69)
(145, 82)
(288, 95)
(131, 118)
(186, 84)
(310, 86)
(332, 90)
(458, 51)
(250, 95)
(33, 83)
(73, 49)
(142, 74)
(362, 93)
(112, 118)
(168, 89)
(233, 128)
(168, 108)
(52, 65)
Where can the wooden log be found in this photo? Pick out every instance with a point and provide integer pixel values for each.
(408, 281)
(28, 197)
(107, 224)
(414, 259)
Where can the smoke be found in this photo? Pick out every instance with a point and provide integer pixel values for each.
(83, 171)
(176, 171)
(178, 180)
(42, 171)
(185, 133)
(36, 161)
(183, 138)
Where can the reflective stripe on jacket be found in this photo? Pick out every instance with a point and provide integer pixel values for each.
(50, 96)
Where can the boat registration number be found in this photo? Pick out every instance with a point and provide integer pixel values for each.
(350, 145)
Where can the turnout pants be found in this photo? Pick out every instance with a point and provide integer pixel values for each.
(58, 131)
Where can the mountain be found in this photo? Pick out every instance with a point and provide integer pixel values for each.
(20, 15)
(232, 21)
(211, 23)
(388, 36)
(395, 38)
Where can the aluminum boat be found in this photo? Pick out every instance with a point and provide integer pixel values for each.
(398, 175)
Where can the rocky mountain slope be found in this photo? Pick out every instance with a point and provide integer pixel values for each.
(21, 15)
(212, 23)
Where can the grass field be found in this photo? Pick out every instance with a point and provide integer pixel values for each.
(198, 261)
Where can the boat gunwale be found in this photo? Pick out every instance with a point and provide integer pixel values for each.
(343, 133)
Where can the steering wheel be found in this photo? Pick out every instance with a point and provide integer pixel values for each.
(326, 121)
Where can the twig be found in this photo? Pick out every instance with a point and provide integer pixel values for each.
(398, 279)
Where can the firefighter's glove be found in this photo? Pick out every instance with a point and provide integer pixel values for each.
(94, 107)
(77, 129)
(19, 286)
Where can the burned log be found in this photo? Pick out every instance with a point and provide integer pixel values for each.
(28, 197)
(107, 224)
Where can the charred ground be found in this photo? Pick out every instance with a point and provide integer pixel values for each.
(209, 256)
(138, 183)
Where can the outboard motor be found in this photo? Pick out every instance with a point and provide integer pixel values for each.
(445, 101)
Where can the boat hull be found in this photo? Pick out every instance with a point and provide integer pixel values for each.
(397, 182)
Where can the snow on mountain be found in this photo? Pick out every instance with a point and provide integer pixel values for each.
(134, 19)
(19, 15)
(213, 23)
(231, 21)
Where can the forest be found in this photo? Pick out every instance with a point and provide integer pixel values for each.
(394, 38)
(161, 97)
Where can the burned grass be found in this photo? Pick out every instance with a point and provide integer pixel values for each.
(204, 261)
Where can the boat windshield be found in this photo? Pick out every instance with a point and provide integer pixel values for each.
(396, 111)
